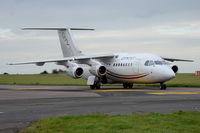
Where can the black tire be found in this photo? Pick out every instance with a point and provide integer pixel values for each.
(163, 87)
(92, 87)
(130, 86)
(125, 85)
(98, 87)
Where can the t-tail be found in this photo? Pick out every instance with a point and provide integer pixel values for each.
(67, 44)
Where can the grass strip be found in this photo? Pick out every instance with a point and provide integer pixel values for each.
(181, 80)
(178, 122)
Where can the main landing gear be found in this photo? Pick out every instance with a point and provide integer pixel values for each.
(128, 85)
(163, 86)
(95, 86)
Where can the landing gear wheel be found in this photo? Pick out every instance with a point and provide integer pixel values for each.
(92, 87)
(127, 85)
(163, 86)
(130, 86)
(96, 86)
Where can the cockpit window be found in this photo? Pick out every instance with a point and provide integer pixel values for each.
(157, 62)
(146, 63)
(160, 62)
(164, 63)
(149, 63)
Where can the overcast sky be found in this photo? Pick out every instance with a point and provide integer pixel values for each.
(169, 28)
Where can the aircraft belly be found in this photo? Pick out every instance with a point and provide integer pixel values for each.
(121, 80)
(121, 75)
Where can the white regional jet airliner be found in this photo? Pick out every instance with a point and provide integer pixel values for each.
(100, 69)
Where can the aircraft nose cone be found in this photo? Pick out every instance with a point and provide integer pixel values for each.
(164, 75)
(172, 74)
(169, 74)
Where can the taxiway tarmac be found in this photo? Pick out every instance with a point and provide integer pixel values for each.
(21, 105)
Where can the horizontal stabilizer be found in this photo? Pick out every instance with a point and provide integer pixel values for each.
(56, 29)
(68, 47)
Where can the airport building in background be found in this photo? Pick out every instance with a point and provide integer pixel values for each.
(197, 73)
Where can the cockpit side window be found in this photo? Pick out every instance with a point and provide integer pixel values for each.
(164, 63)
(146, 63)
(158, 62)
(151, 63)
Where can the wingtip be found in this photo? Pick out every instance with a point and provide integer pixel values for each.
(22, 28)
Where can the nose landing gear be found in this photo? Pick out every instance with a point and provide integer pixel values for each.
(163, 86)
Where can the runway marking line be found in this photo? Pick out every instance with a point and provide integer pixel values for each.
(172, 93)
(29, 88)
(1, 112)
(116, 90)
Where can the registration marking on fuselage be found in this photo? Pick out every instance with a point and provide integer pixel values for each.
(172, 93)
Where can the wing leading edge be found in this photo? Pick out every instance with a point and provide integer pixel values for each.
(173, 59)
(74, 58)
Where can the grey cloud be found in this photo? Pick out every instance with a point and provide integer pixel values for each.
(136, 22)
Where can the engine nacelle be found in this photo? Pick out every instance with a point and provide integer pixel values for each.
(75, 72)
(98, 70)
(175, 68)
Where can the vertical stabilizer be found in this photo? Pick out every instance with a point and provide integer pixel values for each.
(67, 45)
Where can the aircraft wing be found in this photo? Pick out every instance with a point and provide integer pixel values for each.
(173, 59)
(65, 59)
(41, 62)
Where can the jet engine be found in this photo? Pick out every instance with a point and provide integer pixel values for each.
(75, 72)
(98, 70)
(175, 68)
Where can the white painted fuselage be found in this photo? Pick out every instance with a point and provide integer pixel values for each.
(131, 68)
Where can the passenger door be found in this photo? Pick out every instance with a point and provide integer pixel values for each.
(136, 64)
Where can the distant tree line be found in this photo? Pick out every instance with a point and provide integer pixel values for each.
(54, 71)
(5, 73)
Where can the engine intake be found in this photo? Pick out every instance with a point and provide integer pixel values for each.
(98, 70)
(75, 72)
(175, 68)
(102, 70)
(79, 72)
